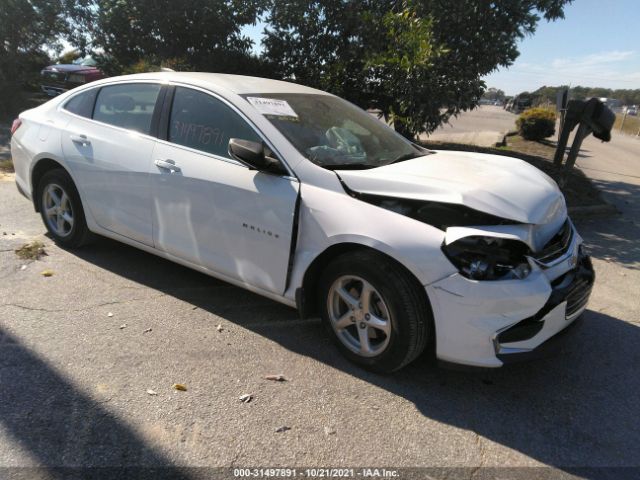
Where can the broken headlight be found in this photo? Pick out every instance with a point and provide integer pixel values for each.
(489, 258)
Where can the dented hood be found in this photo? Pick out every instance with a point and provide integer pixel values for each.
(494, 184)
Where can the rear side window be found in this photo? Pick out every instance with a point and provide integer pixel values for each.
(82, 104)
(127, 106)
(205, 123)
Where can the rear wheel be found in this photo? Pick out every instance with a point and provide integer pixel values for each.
(61, 209)
(375, 311)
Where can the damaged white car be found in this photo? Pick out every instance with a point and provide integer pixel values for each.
(302, 197)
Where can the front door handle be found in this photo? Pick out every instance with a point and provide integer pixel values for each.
(82, 139)
(168, 165)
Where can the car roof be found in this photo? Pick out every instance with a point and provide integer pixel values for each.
(239, 84)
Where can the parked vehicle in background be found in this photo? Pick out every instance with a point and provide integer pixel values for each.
(520, 104)
(59, 78)
(631, 110)
(302, 197)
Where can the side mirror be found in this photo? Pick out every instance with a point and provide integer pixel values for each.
(253, 155)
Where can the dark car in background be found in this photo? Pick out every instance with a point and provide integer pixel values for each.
(62, 77)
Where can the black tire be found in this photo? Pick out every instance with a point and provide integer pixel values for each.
(411, 318)
(78, 234)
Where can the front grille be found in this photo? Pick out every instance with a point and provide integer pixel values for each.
(574, 287)
(557, 246)
(578, 296)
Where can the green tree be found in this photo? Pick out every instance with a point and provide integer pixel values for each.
(494, 94)
(195, 34)
(25, 27)
(419, 61)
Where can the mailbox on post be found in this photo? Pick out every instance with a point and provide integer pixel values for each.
(593, 116)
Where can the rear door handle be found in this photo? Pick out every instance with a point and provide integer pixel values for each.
(168, 165)
(80, 139)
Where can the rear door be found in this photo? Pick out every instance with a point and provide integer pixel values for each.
(212, 210)
(110, 156)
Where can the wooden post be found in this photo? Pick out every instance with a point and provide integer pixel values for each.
(581, 134)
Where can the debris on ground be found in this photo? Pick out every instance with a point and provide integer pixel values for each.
(329, 431)
(47, 273)
(109, 314)
(152, 392)
(180, 386)
(219, 328)
(246, 398)
(276, 378)
(123, 326)
(31, 251)
(283, 428)
(23, 267)
(148, 330)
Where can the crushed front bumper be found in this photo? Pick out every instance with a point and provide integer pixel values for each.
(490, 323)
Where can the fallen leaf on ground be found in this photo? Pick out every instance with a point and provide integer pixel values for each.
(109, 314)
(152, 392)
(180, 386)
(219, 328)
(246, 398)
(276, 378)
(147, 330)
(31, 251)
(47, 273)
(124, 325)
(283, 428)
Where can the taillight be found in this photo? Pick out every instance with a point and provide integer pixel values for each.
(15, 125)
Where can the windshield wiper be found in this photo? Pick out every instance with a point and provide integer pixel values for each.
(347, 166)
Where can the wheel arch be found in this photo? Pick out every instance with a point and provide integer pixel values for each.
(41, 167)
(305, 295)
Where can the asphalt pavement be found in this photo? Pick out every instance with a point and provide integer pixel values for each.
(80, 351)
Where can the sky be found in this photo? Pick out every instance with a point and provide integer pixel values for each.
(596, 45)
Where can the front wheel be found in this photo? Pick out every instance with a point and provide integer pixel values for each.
(61, 209)
(375, 310)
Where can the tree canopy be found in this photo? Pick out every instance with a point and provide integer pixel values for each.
(26, 26)
(419, 61)
(192, 34)
(547, 94)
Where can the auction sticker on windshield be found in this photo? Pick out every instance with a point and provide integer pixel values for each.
(272, 106)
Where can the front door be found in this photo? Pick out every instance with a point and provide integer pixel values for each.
(213, 211)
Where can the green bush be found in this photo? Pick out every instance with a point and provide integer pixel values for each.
(536, 123)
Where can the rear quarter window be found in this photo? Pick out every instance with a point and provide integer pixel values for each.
(82, 104)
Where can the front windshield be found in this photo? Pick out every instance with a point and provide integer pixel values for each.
(332, 132)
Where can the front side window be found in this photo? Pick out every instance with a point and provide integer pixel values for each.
(127, 106)
(332, 132)
(204, 123)
(82, 104)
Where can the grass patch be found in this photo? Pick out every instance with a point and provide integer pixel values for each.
(577, 188)
(631, 124)
(6, 166)
(31, 251)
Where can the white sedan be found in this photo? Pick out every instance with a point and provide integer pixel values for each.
(300, 196)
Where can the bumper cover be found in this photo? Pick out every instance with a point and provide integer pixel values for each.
(488, 324)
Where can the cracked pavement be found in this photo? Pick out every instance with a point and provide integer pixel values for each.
(73, 383)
